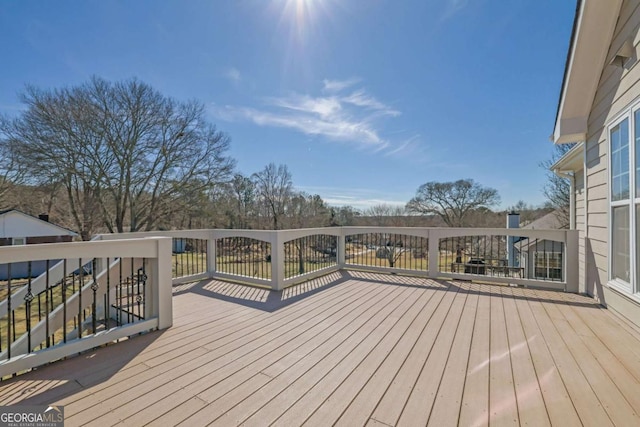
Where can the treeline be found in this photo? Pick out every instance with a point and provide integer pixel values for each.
(116, 157)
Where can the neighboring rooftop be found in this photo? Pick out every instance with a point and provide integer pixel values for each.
(549, 221)
(15, 223)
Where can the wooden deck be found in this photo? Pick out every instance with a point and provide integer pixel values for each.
(357, 349)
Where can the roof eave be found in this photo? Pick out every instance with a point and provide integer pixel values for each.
(572, 160)
(593, 30)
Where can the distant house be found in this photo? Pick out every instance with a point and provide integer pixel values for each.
(19, 228)
(541, 258)
(599, 109)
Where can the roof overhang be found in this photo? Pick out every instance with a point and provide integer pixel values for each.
(572, 161)
(593, 29)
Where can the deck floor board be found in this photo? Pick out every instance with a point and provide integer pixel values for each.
(356, 349)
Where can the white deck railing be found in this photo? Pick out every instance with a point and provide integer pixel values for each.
(93, 293)
(278, 259)
(110, 272)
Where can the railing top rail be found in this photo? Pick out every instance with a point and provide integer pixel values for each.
(285, 235)
(199, 233)
(134, 248)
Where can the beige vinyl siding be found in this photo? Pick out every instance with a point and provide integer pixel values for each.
(617, 90)
(599, 206)
(615, 81)
(595, 160)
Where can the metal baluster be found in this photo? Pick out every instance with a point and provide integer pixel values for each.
(13, 316)
(119, 296)
(47, 304)
(107, 305)
(142, 297)
(198, 255)
(9, 312)
(28, 298)
(176, 246)
(561, 266)
(138, 279)
(130, 293)
(64, 301)
(94, 288)
(80, 285)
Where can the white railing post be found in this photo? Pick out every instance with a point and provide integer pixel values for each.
(341, 249)
(160, 280)
(211, 254)
(571, 261)
(277, 260)
(434, 252)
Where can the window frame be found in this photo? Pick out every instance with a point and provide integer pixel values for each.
(630, 202)
(546, 256)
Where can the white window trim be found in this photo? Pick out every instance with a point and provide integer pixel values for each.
(631, 288)
(546, 255)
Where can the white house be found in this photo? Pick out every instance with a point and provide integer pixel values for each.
(541, 258)
(18, 228)
(599, 108)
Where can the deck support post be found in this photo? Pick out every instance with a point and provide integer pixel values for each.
(277, 260)
(161, 284)
(434, 245)
(571, 267)
(211, 254)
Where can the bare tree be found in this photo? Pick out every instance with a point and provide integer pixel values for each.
(386, 215)
(11, 169)
(274, 187)
(305, 210)
(244, 198)
(344, 215)
(452, 201)
(47, 138)
(122, 149)
(557, 190)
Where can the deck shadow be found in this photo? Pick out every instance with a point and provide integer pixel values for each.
(450, 285)
(260, 298)
(58, 380)
(270, 301)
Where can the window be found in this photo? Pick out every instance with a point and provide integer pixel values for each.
(548, 265)
(624, 191)
(620, 247)
(620, 161)
(19, 241)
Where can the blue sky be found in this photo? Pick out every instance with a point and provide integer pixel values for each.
(363, 100)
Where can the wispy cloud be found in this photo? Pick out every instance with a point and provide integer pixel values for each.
(347, 114)
(233, 74)
(355, 197)
(410, 145)
(339, 85)
(311, 124)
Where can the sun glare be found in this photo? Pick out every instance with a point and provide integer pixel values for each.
(301, 16)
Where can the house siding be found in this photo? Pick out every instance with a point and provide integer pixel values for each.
(617, 90)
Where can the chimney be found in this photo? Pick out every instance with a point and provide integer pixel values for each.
(513, 221)
(44, 217)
